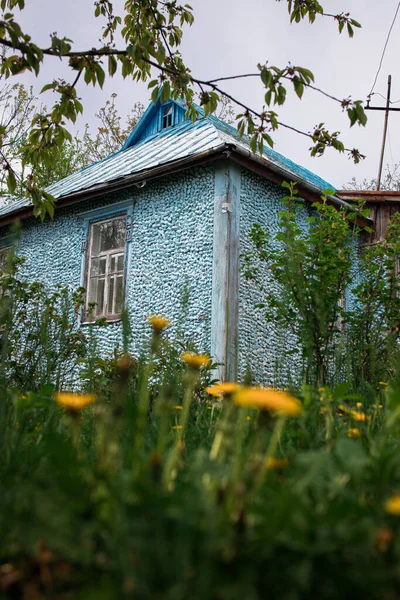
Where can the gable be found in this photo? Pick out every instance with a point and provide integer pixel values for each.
(158, 118)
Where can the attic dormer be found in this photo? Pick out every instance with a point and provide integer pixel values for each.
(157, 119)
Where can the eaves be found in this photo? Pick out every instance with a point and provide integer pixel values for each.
(257, 164)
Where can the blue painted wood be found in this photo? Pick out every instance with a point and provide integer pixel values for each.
(8, 241)
(151, 122)
(225, 284)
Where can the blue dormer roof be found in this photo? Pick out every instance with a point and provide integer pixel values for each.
(156, 118)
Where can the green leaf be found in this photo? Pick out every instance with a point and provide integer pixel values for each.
(11, 182)
(100, 75)
(112, 65)
(154, 94)
(49, 86)
(298, 87)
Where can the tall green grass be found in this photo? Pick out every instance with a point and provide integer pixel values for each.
(159, 490)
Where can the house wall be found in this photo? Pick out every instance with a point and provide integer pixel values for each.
(262, 344)
(171, 247)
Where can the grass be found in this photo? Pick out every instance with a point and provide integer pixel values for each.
(160, 490)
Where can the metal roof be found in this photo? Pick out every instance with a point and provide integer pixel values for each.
(185, 140)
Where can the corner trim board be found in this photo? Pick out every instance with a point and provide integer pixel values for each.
(225, 276)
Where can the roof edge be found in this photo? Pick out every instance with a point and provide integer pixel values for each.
(97, 190)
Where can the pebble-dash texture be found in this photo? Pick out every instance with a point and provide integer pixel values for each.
(171, 250)
(263, 345)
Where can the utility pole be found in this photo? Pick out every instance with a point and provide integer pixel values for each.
(387, 109)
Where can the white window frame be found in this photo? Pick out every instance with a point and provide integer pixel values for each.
(107, 254)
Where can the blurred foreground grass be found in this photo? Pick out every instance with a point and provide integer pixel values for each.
(173, 492)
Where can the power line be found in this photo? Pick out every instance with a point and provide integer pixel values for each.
(384, 49)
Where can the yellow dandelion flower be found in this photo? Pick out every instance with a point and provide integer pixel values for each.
(357, 416)
(222, 389)
(323, 410)
(321, 389)
(353, 432)
(177, 427)
(359, 405)
(74, 402)
(342, 409)
(195, 361)
(277, 464)
(158, 323)
(268, 399)
(178, 407)
(248, 418)
(382, 383)
(392, 505)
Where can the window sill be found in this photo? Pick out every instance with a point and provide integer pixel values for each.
(107, 320)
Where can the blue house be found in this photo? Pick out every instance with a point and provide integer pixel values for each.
(171, 210)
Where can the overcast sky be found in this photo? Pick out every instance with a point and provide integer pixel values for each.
(230, 37)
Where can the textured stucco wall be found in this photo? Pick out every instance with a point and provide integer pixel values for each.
(172, 241)
(262, 344)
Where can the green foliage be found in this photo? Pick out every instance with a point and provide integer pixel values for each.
(151, 32)
(312, 268)
(311, 271)
(40, 342)
(130, 498)
(158, 489)
(374, 322)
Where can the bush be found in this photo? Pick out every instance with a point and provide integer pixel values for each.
(40, 342)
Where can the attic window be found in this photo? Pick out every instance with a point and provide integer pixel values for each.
(167, 116)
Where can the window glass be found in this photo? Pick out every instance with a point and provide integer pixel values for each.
(105, 265)
(167, 116)
(108, 235)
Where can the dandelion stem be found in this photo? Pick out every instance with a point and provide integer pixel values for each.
(273, 444)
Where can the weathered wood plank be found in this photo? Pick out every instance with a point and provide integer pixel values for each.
(225, 277)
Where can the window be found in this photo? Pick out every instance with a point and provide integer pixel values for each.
(340, 326)
(4, 252)
(105, 268)
(167, 116)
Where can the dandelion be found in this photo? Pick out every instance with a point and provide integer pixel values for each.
(323, 410)
(178, 407)
(177, 427)
(248, 418)
(353, 432)
(277, 464)
(158, 323)
(342, 409)
(359, 405)
(268, 399)
(195, 361)
(222, 389)
(357, 416)
(392, 505)
(125, 364)
(74, 402)
(382, 383)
